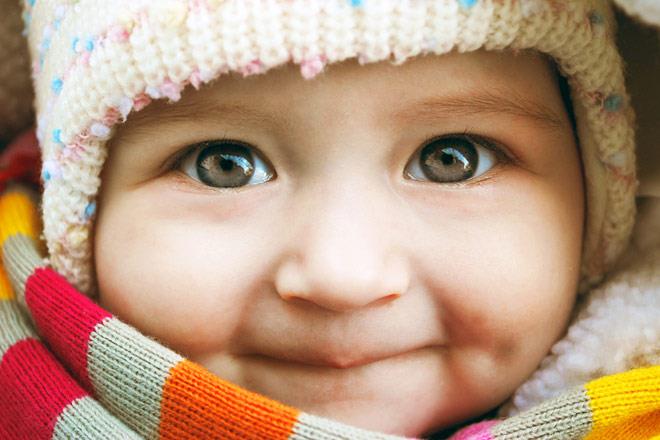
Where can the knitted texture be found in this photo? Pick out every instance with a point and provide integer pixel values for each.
(94, 62)
(115, 382)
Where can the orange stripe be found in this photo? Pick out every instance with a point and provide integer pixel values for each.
(197, 404)
(644, 427)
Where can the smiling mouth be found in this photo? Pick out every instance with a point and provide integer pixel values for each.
(339, 363)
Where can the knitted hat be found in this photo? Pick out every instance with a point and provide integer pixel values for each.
(94, 62)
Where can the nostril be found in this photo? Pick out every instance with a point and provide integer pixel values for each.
(391, 296)
(386, 299)
(294, 298)
(287, 296)
(301, 299)
(297, 299)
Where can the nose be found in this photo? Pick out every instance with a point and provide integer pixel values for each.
(345, 254)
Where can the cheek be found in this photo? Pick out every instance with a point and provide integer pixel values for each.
(505, 271)
(165, 276)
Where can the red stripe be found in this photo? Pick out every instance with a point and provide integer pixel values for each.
(34, 389)
(65, 318)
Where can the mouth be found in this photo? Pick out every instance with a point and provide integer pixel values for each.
(340, 361)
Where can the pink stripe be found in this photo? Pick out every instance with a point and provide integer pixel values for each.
(35, 389)
(476, 431)
(65, 318)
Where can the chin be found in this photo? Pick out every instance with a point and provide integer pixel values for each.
(405, 396)
(373, 417)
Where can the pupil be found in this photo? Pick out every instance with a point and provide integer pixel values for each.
(450, 159)
(447, 159)
(225, 164)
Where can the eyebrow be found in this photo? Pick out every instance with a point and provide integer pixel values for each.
(479, 103)
(430, 110)
(203, 110)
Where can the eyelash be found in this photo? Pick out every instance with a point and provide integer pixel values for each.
(502, 154)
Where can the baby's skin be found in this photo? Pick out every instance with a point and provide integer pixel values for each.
(394, 247)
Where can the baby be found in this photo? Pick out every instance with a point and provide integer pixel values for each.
(379, 236)
(378, 212)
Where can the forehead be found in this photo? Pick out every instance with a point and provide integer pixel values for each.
(521, 84)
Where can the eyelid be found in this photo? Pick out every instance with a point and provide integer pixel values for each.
(498, 148)
(175, 160)
(504, 159)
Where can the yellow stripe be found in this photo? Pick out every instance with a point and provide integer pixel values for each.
(18, 214)
(617, 398)
(6, 292)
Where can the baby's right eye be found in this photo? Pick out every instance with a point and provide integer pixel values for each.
(453, 159)
(224, 164)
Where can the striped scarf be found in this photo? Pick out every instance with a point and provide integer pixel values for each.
(69, 369)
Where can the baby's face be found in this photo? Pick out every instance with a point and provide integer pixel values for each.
(395, 247)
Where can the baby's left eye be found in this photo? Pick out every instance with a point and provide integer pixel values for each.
(452, 159)
(225, 164)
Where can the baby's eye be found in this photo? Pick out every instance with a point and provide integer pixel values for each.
(224, 164)
(452, 158)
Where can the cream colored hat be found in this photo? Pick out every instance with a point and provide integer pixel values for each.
(94, 62)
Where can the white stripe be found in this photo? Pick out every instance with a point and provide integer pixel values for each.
(128, 371)
(13, 327)
(85, 418)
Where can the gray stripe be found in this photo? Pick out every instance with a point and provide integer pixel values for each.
(85, 418)
(14, 326)
(128, 371)
(21, 259)
(565, 417)
(310, 427)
